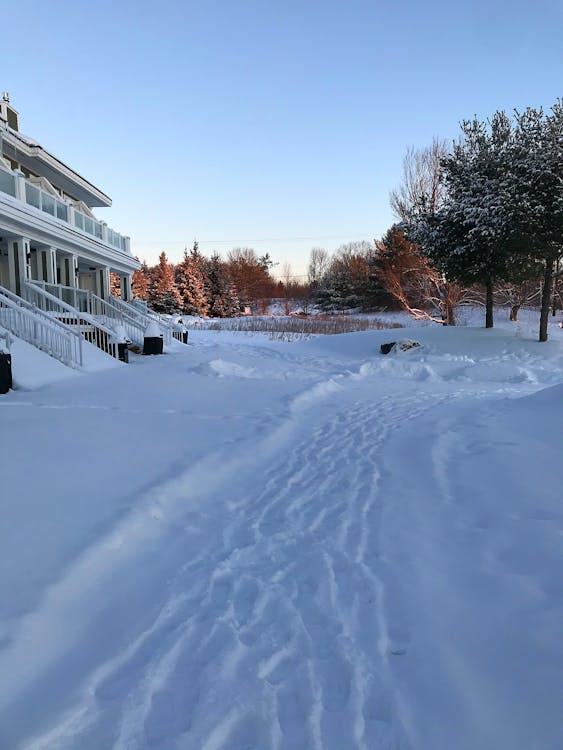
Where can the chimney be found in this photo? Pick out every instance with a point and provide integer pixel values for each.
(8, 113)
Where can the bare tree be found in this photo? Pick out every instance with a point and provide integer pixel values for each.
(286, 277)
(516, 295)
(318, 265)
(409, 277)
(421, 185)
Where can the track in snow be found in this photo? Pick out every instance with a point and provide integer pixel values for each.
(277, 629)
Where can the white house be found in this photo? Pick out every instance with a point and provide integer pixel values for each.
(56, 257)
(48, 232)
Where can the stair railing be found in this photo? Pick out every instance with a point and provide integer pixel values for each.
(93, 330)
(38, 328)
(144, 317)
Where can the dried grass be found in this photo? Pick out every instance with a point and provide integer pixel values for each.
(290, 324)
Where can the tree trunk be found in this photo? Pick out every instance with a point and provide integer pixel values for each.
(489, 303)
(546, 298)
(450, 314)
(514, 312)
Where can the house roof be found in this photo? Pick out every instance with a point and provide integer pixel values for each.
(37, 159)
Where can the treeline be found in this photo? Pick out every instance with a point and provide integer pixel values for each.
(208, 286)
(480, 222)
(487, 212)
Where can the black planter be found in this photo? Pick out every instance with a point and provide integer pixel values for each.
(153, 345)
(5, 372)
(123, 352)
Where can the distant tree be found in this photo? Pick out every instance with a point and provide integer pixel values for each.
(349, 281)
(163, 294)
(501, 214)
(141, 282)
(221, 291)
(421, 183)
(517, 295)
(407, 274)
(319, 261)
(190, 282)
(468, 237)
(115, 284)
(287, 286)
(535, 203)
(251, 275)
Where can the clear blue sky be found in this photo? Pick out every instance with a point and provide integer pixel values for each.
(275, 124)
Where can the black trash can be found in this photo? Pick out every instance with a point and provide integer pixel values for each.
(123, 352)
(153, 345)
(5, 372)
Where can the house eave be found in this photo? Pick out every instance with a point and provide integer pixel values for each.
(34, 157)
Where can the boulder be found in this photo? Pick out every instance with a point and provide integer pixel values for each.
(399, 346)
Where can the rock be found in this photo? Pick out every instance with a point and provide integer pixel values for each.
(405, 345)
(399, 346)
(386, 348)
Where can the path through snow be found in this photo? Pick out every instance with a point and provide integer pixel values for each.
(273, 590)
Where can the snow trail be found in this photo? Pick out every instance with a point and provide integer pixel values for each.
(267, 594)
(292, 570)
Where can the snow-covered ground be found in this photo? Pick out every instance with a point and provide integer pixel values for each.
(247, 544)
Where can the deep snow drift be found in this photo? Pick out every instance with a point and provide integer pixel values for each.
(246, 544)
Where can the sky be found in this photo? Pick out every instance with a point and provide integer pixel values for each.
(277, 125)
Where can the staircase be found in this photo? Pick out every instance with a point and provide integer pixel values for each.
(145, 316)
(106, 312)
(94, 330)
(36, 327)
(57, 318)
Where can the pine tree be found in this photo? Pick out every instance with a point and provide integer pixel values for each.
(163, 294)
(221, 291)
(468, 236)
(190, 281)
(141, 282)
(115, 284)
(536, 195)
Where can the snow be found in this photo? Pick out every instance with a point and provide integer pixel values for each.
(247, 543)
(32, 368)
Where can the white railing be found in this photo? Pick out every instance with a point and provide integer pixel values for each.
(39, 329)
(105, 311)
(163, 322)
(46, 202)
(77, 298)
(88, 224)
(40, 199)
(87, 325)
(134, 328)
(144, 318)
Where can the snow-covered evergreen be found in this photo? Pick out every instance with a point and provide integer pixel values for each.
(221, 292)
(190, 282)
(163, 294)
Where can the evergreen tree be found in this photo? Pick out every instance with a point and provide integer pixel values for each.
(115, 284)
(349, 281)
(221, 291)
(141, 282)
(536, 195)
(163, 294)
(471, 237)
(190, 282)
